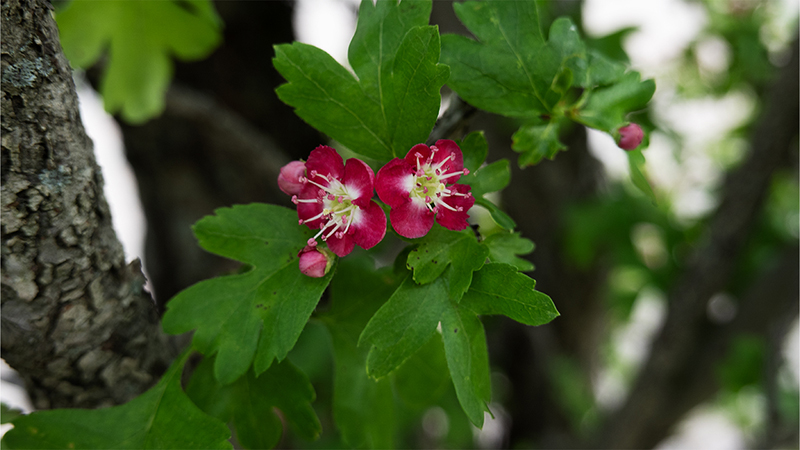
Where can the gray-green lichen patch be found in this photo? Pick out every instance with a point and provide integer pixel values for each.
(25, 73)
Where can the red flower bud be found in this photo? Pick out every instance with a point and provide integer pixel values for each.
(630, 136)
(289, 180)
(315, 262)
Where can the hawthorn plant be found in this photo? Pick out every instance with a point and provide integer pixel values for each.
(400, 330)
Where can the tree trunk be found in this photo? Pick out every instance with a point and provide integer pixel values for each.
(76, 322)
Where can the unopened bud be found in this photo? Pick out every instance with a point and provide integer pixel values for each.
(291, 179)
(630, 136)
(315, 262)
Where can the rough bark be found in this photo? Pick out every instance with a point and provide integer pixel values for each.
(662, 394)
(76, 322)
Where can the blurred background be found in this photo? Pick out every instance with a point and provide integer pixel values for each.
(660, 342)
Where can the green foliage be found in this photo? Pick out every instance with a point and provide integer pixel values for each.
(504, 248)
(424, 377)
(8, 414)
(257, 314)
(141, 38)
(362, 407)
(511, 69)
(441, 249)
(482, 180)
(606, 107)
(249, 403)
(403, 324)
(394, 102)
(743, 362)
(163, 417)
(499, 289)
(468, 360)
(636, 165)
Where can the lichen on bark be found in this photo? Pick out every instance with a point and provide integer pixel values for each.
(77, 323)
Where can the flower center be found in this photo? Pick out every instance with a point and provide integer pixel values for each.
(338, 209)
(430, 182)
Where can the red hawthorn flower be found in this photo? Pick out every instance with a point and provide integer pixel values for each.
(337, 200)
(420, 188)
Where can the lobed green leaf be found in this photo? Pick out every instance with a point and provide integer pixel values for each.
(504, 248)
(141, 37)
(257, 315)
(536, 142)
(499, 289)
(394, 101)
(441, 249)
(161, 418)
(249, 403)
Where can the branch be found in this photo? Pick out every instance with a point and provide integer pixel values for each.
(77, 324)
(661, 385)
(242, 140)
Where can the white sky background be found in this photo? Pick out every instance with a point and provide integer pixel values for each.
(666, 27)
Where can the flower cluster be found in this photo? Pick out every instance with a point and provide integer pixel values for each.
(335, 198)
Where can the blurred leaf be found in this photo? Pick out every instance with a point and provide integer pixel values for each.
(141, 37)
(489, 178)
(474, 148)
(260, 313)
(636, 163)
(163, 418)
(395, 101)
(536, 142)
(607, 107)
(499, 216)
(8, 414)
(249, 403)
(442, 248)
(743, 363)
(499, 289)
(503, 248)
(363, 408)
(493, 177)
(572, 391)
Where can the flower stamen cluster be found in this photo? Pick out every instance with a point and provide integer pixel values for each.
(336, 199)
(338, 210)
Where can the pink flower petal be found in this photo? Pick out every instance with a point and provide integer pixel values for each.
(394, 182)
(325, 161)
(306, 211)
(289, 178)
(313, 262)
(343, 246)
(371, 226)
(455, 220)
(424, 152)
(358, 177)
(411, 219)
(454, 164)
